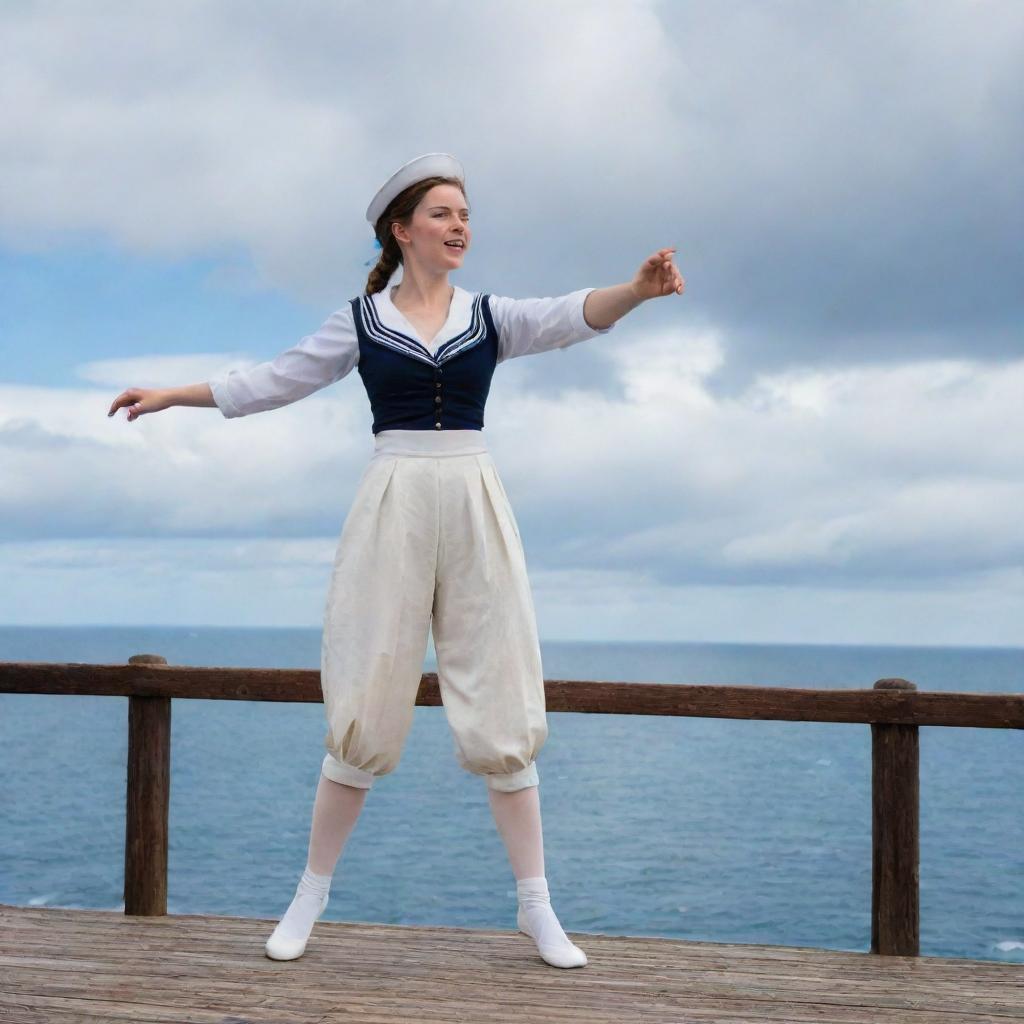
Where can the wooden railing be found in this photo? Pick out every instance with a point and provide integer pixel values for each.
(894, 709)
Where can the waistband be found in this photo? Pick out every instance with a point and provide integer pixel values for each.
(432, 443)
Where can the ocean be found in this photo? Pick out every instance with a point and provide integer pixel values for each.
(703, 829)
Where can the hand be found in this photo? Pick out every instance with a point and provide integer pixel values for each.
(140, 401)
(657, 276)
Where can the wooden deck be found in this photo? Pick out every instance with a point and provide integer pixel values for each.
(58, 966)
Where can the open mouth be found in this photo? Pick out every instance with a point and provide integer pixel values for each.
(456, 245)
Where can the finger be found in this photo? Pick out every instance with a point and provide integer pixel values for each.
(122, 399)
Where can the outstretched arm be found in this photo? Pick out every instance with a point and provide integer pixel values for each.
(657, 276)
(319, 359)
(526, 326)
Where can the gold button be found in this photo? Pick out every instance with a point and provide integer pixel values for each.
(437, 398)
(437, 426)
(437, 384)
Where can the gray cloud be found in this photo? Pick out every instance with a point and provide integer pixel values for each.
(837, 177)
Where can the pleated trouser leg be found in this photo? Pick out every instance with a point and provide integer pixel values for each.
(485, 633)
(377, 619)
(432, 542)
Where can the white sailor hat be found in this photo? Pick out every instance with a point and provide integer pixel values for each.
(427, 166)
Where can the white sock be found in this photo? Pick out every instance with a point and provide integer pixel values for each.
(553, 944)
(301, 915)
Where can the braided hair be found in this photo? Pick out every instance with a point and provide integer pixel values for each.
(399, 209)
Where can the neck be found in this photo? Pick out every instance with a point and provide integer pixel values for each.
(422, 289)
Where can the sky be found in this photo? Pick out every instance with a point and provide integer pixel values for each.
(820, 441)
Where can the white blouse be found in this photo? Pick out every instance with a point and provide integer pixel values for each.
(524, 326)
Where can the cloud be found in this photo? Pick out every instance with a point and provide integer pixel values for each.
(876, 473)
(907, 474)
(165, 581)
(830, 415)
(69, 470)
(835, 177)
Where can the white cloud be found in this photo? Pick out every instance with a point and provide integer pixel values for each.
(873, 473)
(70, 470)
(934, 527)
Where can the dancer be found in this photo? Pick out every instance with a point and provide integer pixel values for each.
(430, 541)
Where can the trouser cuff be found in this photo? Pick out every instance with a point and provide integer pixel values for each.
(514, 780)
(338, 771)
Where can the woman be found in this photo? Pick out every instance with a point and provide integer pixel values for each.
(430, 541)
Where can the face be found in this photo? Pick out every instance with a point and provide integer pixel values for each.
(442, 216)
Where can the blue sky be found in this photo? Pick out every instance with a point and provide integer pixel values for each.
(821, 441)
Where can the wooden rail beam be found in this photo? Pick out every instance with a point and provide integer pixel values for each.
(750, 703)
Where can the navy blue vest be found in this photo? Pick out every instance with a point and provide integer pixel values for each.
(412, 388)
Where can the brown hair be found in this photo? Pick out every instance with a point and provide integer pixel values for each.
(399, 209)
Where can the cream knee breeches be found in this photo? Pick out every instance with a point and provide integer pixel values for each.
(431, 543)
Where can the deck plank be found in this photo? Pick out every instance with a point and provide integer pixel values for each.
(59, 965)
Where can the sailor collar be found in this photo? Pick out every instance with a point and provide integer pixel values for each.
(383, 323)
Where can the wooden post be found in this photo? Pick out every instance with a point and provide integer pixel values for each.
(148, 800)
(895, 850)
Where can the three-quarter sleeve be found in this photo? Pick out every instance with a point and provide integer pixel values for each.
(526, 326)
(319, 359)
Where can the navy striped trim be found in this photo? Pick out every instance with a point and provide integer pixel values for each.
(472, 335)
(395, 340)
(399, 342)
